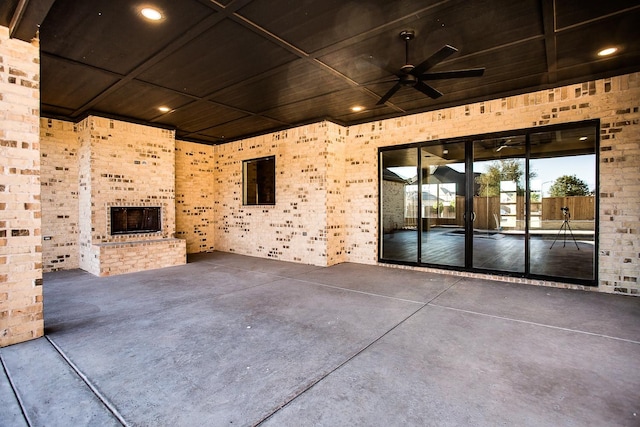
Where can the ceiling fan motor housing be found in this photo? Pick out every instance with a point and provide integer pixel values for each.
(408, 79)
(407, 35)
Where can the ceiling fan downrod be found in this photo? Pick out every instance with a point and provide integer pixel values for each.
(407, 35)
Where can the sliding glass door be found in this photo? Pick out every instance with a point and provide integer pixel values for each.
(562, 226)
(498, 203)
(519, 203)
(400, 204)
(443, 204)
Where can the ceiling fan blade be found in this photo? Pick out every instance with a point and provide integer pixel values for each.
(444, 52)
(428, 90)
(389, 94)
(454, 74)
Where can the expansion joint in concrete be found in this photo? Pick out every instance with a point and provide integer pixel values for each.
(15, 392)
(510, 319)
(353, 356)
(114, 411)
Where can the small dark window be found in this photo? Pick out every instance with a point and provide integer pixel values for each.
(259, 181)
(127, 220)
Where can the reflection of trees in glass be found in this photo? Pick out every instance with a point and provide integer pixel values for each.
(501, 170)
(569, 185)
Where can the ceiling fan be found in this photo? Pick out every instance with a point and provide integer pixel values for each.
(414, 76)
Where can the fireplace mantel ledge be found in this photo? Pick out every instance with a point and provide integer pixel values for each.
(139, 242)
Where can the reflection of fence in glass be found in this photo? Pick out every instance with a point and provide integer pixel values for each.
(490, 213)
(438, 200)
(545, 214)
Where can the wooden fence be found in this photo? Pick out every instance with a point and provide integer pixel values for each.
(580, 207)
(489, 215)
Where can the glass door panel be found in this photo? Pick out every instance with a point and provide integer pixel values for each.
(562, 226)
(498, 204)
(399, 205)
(443, 204)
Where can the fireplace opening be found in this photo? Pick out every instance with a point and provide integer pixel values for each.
(129, 220)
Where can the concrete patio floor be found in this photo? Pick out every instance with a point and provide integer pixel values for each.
(234, 340)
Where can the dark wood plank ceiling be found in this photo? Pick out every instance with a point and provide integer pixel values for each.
(236, 68)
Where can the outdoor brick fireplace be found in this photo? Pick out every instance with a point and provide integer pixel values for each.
(126, 198)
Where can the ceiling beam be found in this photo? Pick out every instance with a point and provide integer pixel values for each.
(176, 44)
(27, 18)
(204, 25)
(313, 58)
(600, 18)
(549, 24)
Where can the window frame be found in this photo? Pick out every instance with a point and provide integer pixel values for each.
(265, 190)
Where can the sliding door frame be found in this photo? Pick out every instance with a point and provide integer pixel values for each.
(469, 205)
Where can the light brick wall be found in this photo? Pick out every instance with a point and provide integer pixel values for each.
(336, 144)
(125, 164)
(130, 165)
(295, 229)
(195, 196)
(615, 101)
(87, 259)
(361, 193)
(21, 315)
(128, 257)
(72, 171)
(619, 190)
(60, 185)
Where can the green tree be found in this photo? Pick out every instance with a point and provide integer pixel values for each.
(569, 185)
(501, 170)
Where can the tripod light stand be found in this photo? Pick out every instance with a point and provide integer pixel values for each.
(565, 226)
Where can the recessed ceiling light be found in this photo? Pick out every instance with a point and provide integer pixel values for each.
(151, 14)
(164, 109)
(608, 51)
(357, 109)
(583, 138)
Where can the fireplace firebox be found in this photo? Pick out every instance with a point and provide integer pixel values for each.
(135, 220)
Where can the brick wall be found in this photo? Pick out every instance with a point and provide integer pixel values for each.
(86, 257)
(195, 196)
(336, 144)
(141, 255)
(59, 185)
(295, 229)
(361, 192)
(125, 164)
(20, 241)
(619, 190)
(128, 165)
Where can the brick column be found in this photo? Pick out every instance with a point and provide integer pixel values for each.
(21, 315)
